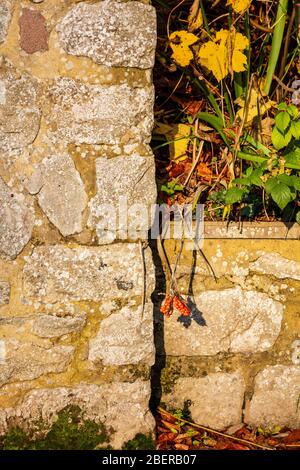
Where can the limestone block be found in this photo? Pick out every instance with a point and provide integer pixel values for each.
(231, 320)
(126, 189)
(17, 220)
(19, 108)
(276, 265)
(111, 33)
(125, 337)
(51, 326)
(276, 397)
(59, 273)
(6, 8)
(25, 360)
(217, 399)
(95, 114)
(4, 292)
(61, 193)
(115, 405)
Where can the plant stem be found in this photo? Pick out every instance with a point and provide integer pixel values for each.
(276, 43)
(206, 25)
(210, 97)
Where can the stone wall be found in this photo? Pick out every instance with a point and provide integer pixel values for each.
(238, 358)
(76, 312)
(76, 115)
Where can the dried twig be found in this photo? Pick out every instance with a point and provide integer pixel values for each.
(213, 431)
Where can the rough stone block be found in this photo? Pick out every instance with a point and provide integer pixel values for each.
(217, 399)
(17, 220)
(51, 326)
(61, 193)
(19, 110)
(276, 398)
(111, 33)
(25, 360)
(129, 179)
(95, 114)
(122, 407)
(276, 265)
(4, 292)
(227, 320)
(125, 337)
(58, 273)
(6, 8)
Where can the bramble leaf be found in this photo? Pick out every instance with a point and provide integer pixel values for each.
(282, 121)
(278, 139)
(234, 195)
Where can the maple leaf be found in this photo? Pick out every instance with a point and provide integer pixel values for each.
(258, 104)
(239, 6)
(179, 43)
(224, 53)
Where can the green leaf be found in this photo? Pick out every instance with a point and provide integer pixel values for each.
(288, 136)
(234, 195)
(296, 180)
(290, 180)
(293, 159)
(293, 111)
(270, 184)
(282, 106)
(282, 121)
(243, 181)
(256, 177)
(286, 179)
(295, 129)
(298, 217)
(278, 140)
(281, 194)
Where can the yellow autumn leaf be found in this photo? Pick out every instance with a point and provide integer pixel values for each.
(178, 137)
(179, 43)
(239, 6)
(258, 105)
(224, 53)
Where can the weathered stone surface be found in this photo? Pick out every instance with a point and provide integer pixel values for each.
(276, 265)
(19, 111)
(33, 31)
(58, 273)
(125, 337)
(6, 7)
(217, 399)
(17, 219)
(4, 292)
(114, 404)
(111, 33)
(26, 360)
(276, 397)
(95, 114)
(227, 320)
(128, 185)
(61, 193)
(50, 326)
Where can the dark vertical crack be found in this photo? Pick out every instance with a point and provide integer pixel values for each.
(158, 327)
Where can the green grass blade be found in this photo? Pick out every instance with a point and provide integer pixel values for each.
(276, 43)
